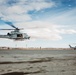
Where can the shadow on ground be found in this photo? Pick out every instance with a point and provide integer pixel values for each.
(21, 73)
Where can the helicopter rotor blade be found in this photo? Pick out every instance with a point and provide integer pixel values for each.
(10, 23)
(7, 29)
(11, 29)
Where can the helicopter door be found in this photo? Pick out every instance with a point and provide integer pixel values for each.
(19, 35)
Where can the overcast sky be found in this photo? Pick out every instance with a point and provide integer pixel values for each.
(50, 23)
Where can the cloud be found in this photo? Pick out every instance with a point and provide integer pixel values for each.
(38, 5)
(43, 33)
(17, 10)
(17, 18)
(64, 17)
(44, 30)
(68, 31)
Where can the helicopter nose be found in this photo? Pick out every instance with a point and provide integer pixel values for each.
(28, 37)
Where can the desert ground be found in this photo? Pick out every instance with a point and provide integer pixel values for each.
(38, 64)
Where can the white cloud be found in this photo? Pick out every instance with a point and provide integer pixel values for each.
(67, 31)
(41, 5)
(17, 10)
(36, 24)
(17, 18)
(44, 30)
(66, 17)
(43, 33)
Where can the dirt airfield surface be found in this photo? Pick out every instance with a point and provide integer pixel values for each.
(38, 64)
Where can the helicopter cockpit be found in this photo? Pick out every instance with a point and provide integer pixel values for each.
(19, 35)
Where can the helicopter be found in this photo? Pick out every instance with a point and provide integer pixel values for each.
(15, 34)
(72, 47)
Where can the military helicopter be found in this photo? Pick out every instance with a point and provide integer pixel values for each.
(72, 47)
(15, 34)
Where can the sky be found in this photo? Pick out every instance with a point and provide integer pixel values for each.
(49, 23)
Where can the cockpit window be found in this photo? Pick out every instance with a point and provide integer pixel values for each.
(19, 35)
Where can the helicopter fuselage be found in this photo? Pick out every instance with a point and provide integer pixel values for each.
(16, 35)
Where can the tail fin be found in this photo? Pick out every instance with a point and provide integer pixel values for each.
(70, 46)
